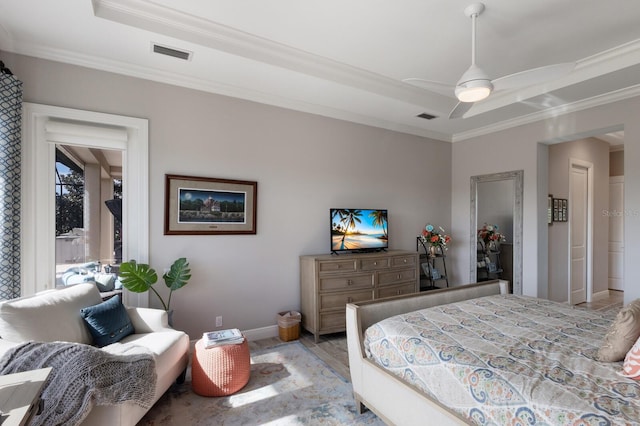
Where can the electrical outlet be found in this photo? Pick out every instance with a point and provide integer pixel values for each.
(219, 321)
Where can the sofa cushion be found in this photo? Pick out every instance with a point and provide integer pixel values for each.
(108, 322)
(50, 316)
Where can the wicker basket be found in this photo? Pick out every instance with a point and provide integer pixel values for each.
(289, 325)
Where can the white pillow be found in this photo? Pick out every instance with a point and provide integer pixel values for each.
(50, 316)
(105, 282)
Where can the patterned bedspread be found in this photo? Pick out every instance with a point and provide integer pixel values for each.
(503, 360)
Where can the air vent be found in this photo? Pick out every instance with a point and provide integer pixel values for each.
(426, 116)
(169, 51)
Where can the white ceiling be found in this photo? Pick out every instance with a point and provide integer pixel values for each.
(347, 59)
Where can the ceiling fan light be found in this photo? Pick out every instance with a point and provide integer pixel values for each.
(473, 91)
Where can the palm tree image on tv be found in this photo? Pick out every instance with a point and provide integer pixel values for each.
(353, 229)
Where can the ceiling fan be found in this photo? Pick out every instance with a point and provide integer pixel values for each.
(475, 85)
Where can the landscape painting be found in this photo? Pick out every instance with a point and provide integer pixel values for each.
(358, 230)
(199, 205)
(202, 206)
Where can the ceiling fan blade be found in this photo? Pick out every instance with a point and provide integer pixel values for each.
(460, 110)
(533, 76)
(432, 86)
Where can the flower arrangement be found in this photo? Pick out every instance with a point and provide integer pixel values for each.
(434, 238)
(489, 233)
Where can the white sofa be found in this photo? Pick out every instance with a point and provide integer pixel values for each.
(54, 315)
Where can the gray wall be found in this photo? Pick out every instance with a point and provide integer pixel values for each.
(304, 164)
(616, 163)
(518, 148)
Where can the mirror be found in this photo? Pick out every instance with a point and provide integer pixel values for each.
(496, 199)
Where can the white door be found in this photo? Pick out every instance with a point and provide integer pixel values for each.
(578, 221)
(616, 232)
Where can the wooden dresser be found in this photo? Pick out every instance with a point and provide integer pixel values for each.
(328, 282)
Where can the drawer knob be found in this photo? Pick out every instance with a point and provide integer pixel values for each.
(349, 299)
(338, 266)
(399, 276)
(404, 260)
(399, 292)
(349, 282)
(375, 263)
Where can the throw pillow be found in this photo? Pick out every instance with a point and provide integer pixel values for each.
(108, 322)
(105, 282)
(622, 334)
(631, 367)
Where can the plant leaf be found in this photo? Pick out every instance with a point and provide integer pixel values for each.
(178, 275)
(137, 277)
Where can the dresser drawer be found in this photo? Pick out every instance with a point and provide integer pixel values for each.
(333, 321)
(336, 266)
(346, 282)
(374, 264)
(397, 276)
(397, 290)
(400, 261)
(340, 300)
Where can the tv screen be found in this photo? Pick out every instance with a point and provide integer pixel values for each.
(358, 230)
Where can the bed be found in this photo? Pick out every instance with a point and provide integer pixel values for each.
(477, 355)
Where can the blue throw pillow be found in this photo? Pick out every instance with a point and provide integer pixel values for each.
(108, 322)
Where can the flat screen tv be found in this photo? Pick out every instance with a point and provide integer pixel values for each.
(358, 230)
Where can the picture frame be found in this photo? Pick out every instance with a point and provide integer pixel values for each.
(560, 210)
(550, 210)
(197, 205)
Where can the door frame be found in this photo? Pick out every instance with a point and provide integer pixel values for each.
(589, 166)
(617, 179)
(43, 126)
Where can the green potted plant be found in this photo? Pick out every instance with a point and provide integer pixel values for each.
(139, 277)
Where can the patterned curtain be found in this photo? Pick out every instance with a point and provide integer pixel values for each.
(10, 124)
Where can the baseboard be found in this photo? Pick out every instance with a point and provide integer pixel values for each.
(261, 333)
(252, 334)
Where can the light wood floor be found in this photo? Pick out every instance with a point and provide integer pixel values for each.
(332, 348)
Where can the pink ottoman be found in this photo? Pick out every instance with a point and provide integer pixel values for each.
(221, 370)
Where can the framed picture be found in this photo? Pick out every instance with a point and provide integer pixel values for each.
(560, 210)
(550, 209)
(209, 206)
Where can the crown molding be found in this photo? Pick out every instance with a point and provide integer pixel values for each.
(554, 112)
(159, 19)
(219, 88)
(224, 89)
(604, 62)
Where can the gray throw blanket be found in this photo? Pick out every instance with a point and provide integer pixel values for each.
(83, 376)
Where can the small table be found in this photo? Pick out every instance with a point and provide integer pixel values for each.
(20, 395)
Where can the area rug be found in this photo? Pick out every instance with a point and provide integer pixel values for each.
(289, 385)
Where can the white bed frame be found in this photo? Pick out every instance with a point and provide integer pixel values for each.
(395, 401)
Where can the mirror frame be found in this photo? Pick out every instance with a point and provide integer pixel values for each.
(517, 177)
